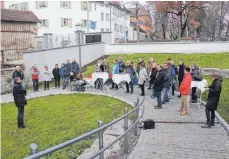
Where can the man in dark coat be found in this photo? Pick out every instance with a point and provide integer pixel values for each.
(121, 65)
(167, 83)
(74, 69)
(181, 73)
(213, 100)
(158, 85)
(174, 67)
(153, 78)
(19, 94)
(56, 75)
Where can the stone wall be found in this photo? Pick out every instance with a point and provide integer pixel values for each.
(210, 71)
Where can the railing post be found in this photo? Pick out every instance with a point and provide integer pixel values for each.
(100, 123)
(33, 148)
(135, 119)
(125, 128)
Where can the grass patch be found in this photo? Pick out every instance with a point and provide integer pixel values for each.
(217, 60)
(51, 120)
(223, 107)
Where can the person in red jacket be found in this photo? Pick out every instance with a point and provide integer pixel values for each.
(185, 91)
(35, 74)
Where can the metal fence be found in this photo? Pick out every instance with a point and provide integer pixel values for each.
(101, 128)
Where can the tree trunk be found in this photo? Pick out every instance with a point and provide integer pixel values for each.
(138, 30)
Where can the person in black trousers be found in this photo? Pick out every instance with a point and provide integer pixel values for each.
(213, 100)
(56, 75)
(153, 78)
(19, 94)
(181, 73)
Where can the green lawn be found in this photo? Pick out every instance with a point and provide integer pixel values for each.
(52, 120)
(223, 107)
(218, 60)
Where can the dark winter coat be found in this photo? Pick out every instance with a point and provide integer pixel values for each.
(19, 94)
(18, 74)
(181, 72)
(75, 68)
(153, 75)
(64, 72)
(121, 66)
(167, 78)
(130, 70)
(56, 73)
(196, 74)
(214, 94)
(159, 82)
(138, 66)
(68, 66)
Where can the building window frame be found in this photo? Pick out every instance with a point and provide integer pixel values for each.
(41, 4)
(102, 16)
(44, 23)
(107, 17)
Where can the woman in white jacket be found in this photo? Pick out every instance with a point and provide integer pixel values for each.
(47, 77)
(142, 78)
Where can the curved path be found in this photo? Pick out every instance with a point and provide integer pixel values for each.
(168, 140)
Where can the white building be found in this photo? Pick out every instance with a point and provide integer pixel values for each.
(60, 17)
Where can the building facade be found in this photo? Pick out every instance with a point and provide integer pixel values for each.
(60, 17)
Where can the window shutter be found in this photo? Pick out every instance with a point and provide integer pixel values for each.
(36, 4)
(61, 4)
(69, 4)
(70, 22)
(62, 22)
(46, 23)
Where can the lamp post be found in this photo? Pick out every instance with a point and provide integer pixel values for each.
(78, 30)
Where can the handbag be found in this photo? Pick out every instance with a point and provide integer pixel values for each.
(147, 124)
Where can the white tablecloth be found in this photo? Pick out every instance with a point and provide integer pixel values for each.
(103, 75)
(118, 78)
(200, 84)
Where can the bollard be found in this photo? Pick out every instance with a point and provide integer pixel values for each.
(100, 124)
(33, 148)
(126, 136)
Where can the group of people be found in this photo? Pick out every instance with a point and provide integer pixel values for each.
(161, 77)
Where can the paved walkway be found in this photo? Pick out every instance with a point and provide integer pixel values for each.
(169, 140)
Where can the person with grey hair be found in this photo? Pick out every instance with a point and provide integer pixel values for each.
(20, 101)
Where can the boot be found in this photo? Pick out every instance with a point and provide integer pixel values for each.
(212, 123)
(158, 107)
(207, 125)
(179, 96)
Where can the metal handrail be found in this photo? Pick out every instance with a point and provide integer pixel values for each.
(69, 142)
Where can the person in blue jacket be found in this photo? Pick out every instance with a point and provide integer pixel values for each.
(115, 70)
(64, 74)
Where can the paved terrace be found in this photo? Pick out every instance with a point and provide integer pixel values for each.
(168, 140)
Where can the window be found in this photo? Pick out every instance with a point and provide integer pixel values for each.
(41, 4)
(102, 16)
(85, 5)
(84, 23)
(107, 17)
(107, 30)
(19, 6)
(66, 22)
(115, 27)
(44, 23)
(93, 38)
(95, 6)
(102, 29)
(65, 4)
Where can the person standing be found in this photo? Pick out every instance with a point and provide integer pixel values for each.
(17, 73)
(185, 91)
(130, 70)
(56, 75)
(167, 83)
(149, 69)
(74, 69)
(106, 65)
(142, 78)
(115, 70)
(153, 75)
(158, 85)
(19, 94)
(195, 77)
(121, 65)
(181, 72)
(47, 77)
(35, 77)
(213, 100)
(174, 72)
(68, 66)
(140, 61)
(64, 75)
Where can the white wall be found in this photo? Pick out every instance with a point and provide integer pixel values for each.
(50, 57)
(167, 47)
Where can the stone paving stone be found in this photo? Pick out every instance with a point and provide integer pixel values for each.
(168, 140)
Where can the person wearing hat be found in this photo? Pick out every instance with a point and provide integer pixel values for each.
(185, 91)
(56, 75)
(214, 92)
(20, 101)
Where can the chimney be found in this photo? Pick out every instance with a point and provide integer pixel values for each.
(2, 5)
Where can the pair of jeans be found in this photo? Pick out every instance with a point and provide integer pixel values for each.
(166, 95)
(129, 87)
(35, 84)
(20, 117)
(65, 82)
(57, 82)
(158, 95)
(210, 118)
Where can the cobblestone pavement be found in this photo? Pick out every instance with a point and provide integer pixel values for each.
(168, 140)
